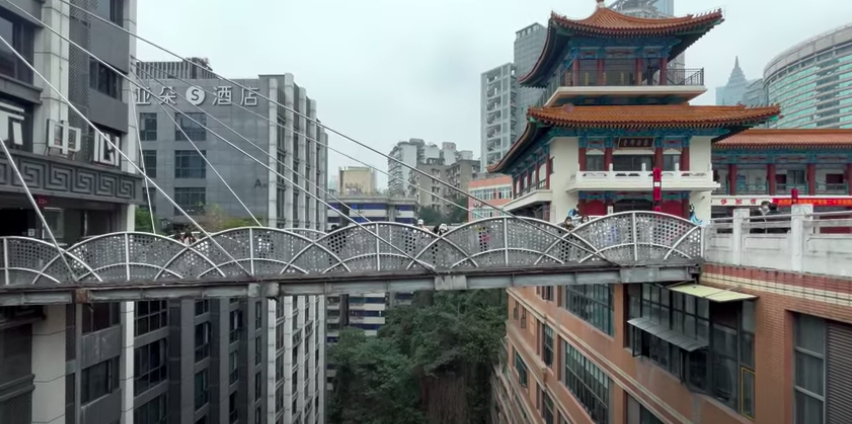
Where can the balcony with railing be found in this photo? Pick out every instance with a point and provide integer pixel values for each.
(688, 82)
(641, 180)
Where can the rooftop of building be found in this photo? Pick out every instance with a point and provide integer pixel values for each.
(760, 138)
(607, 23)
(809, 47)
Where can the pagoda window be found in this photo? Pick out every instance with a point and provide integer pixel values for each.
(620, 72)
(671, 160)
(595, 160)
(542, 174)
(588, 72)
(632, 162)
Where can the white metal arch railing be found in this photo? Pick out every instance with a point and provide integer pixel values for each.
(623, 239)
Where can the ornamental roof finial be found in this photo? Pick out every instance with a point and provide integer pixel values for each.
(601, 3)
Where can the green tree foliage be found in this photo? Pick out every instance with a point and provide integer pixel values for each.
(445, 343)
(143, 220)
(430, 216)
(375, 383)
(215, 219)
(456, 214)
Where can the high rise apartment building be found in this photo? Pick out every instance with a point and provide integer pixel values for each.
(414, 152)
(528, 44)
(238, 360)
(177, 166)
(498, 112)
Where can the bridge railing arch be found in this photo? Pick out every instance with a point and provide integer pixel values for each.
(620, 239)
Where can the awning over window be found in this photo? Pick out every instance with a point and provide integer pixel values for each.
(674, 337)
(712, 294)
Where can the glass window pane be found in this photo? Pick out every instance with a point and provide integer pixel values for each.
(808, 409)
(810, 333)
(809, 373)
(748, 394)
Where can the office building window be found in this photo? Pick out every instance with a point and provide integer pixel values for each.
(547, 347)
(588, 383)
(521, 368)
(104, 80)
(151, 316)
(203, 420)
(149, 366)
(152, 412)
(545, 292)
(637, 413)
(149, 160)
(279, 336)
(258, 386)
(294, 382)
(149, 193)
(547, 408)
(189, 164)
(202, 388)
(258, 315)
(233, 367)
(202, 307)
(258, 350)
(187, 122)
(233, 408)
(591, 303)
(99, 316)
(99, 380)
(202, 341)
(112, 10)
(21, 36)
(148, 127)
(191, 199)
(236, 325)
(279, 399)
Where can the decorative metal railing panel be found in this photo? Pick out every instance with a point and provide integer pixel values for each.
(624, 239)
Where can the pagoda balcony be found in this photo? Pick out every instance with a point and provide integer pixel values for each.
(679, 85)
(642, 180)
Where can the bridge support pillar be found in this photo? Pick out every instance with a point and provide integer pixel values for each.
(451, 282)
(48, 365)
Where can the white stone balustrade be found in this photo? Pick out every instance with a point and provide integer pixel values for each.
(801, 242)
(642, 180)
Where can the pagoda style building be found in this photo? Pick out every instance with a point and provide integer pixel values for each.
(612, 110)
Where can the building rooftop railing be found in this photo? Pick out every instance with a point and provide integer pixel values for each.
(803, 241)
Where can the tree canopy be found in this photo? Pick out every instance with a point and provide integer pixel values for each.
(431, 362)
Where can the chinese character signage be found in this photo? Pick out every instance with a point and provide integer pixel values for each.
(105, 153)
(11, 124)
(634, 143)
(63, 137)
(224, 95)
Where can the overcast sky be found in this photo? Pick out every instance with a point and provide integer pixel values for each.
(389, 70)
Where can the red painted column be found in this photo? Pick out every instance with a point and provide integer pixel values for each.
(581, 157)
(607, 158)
(684, 208)
(811, 179)
(849, 179)
(732, 179)
(638, 71)
(537, 176)
(658, 157)
(547, 165)
(582, 206)
(684, 159)
(664, 71)
(575, 71)
(770, 177)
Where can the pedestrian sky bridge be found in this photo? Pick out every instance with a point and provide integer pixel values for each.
(498, 252)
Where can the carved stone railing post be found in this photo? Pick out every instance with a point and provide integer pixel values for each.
(798, 238)
(738, 234)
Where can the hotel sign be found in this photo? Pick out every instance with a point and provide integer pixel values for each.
(634, 143)
(224, 96)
